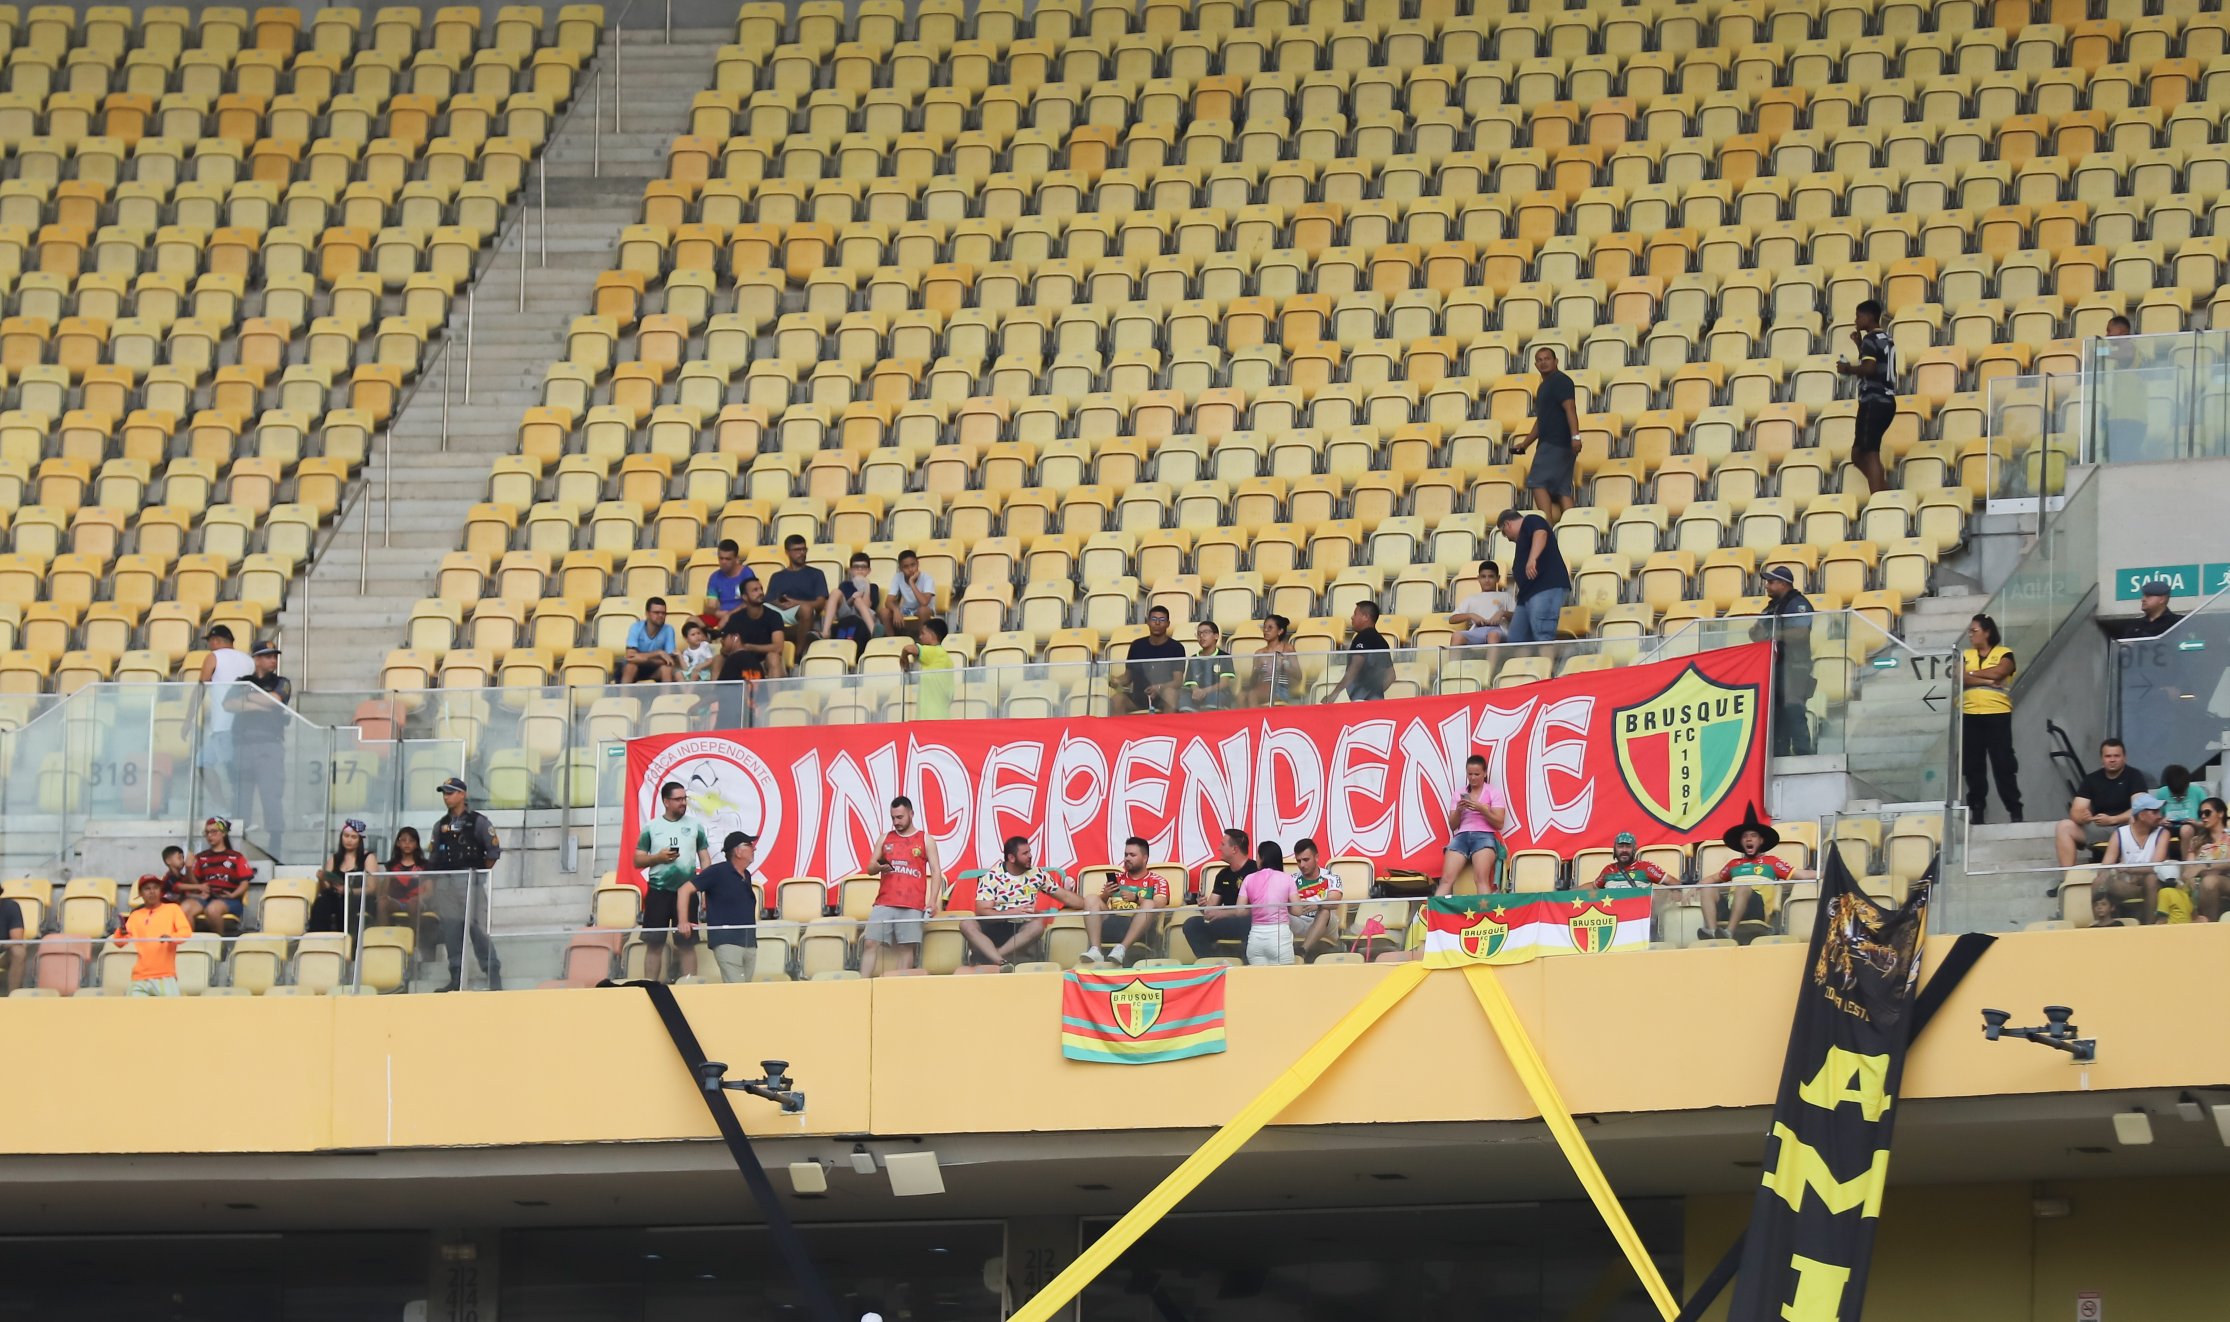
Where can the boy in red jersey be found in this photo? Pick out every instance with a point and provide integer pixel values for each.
(907, 863)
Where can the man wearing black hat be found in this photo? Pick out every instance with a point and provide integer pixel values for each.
(2156, 618)
(259, 704)
(1744, 913)
(1787, 621)
(464, 843)
(723, 901)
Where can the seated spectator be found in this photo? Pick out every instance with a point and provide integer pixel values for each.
(1267, 897)
(1317, 910)
(217, 898)
(2154, 618)
(18, 951)
(176, 876)
(1475, 820)
(1211, 676)
(798, 593)
(652, 655)
(1370, 658)
(1153, 669)
(2101, 803)
(724, 588)
(911, 599)
(751, 644)
(854, 612)
(1133, 891)
(1008, 916)
(2135, 853)
(1744, 910)
(1484, 616)
(697, 653)
(937, 667)
(155, 928)
(2179, 797)
(399, 891)
(1628, 868)
(1220, 918)
(1276, 680)
(2210, 850)
(2106, 911)
(340, 885)
(723, 901)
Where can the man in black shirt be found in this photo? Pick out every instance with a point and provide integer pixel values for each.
(259, 702)
(751, 647)
(2156, 620)
(1787, 622)
(1555, 434)
(2101, 802)
(721, 899)
(1223, 920)
(1539, 575)
(19, 952)
(1876, 370)
(800, 592)
(1370, 659)
(1153, 669)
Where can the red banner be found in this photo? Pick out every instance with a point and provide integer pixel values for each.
(1670, 750)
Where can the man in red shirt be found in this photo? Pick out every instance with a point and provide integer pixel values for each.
(218, 901)
(907, 863)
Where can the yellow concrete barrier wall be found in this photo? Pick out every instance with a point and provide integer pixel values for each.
(982, 1055)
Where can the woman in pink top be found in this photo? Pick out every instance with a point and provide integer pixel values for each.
(1475, 819)
(1268, 895)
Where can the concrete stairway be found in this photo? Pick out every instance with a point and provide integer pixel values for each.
(1898, 714)
(381, 559)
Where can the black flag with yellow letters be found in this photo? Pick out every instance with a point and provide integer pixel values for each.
(1811, 1232)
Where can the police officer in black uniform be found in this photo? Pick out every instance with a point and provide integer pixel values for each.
(464, 841)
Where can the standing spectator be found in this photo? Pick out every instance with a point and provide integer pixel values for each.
(259, 705)
(1750, 839)
(18, 950)
(2101, 803)
(465, 842)
(400, 891)
(1316, 900)
(724, 588)
(800, 592)
(907, 863)
(1876, 370)
(2134, 855)
(1268, 895)
(1628, 868)
(1007, 915)
(347, 871)
(670, 850)
(1787, 621)
(853, 613)
(937, 668)
(1222, 920)
(697, 653)
(1986, 668)
(224, 666)
(652, 654)
(1370, 658)
(724, 900)
(219, 895)
(1542, 581)
(2210, 847)
(1555, 431)
(2154, 618)
(911, 600)
(155, 927)
(1153, 669)
(1475, 822)
(1276, 681)
(1484, 616)
(1211, 676)
(1134, 891)
(2179, 797)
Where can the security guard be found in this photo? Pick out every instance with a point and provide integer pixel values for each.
(464, 841)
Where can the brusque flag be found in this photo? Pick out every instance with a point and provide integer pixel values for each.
(1511, 929)
(1142, 1016)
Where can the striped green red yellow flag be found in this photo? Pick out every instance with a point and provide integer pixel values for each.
(1457, 930)
(1142, 1016)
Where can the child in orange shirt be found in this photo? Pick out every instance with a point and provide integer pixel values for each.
(156, 927)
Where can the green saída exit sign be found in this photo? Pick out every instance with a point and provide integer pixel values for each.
(2182, 580)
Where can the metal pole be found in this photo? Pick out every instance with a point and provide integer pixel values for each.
(446, 378)
(363, 551)
(542, 184)
(596, 131)
(669, 22)
(522, 256)
(619, 78)
(470, 303)
(387, 495)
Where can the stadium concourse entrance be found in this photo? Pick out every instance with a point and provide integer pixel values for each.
(1517, 1262)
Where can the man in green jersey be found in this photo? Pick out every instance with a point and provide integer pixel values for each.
(670, 851)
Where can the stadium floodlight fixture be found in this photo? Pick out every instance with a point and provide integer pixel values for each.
(773, 1085)
(2058, 1032)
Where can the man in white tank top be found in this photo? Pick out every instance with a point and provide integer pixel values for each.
(225, 666)
(2134, 853)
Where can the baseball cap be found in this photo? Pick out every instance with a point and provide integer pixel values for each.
(1624, 838)
(2145, 803)
(735, 838)
(219, 631)
(266, 649)
(150, 879)
(1782, 573)
(2157, 587)
(456, 783)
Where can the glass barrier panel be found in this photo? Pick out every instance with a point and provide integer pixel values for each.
(2053, 578)
(32, 793)
(2174, 691)
(2143, 394)
(2034, 435)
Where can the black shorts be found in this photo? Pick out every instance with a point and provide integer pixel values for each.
(1000, 930)
(661, 910)
(1874, 418)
